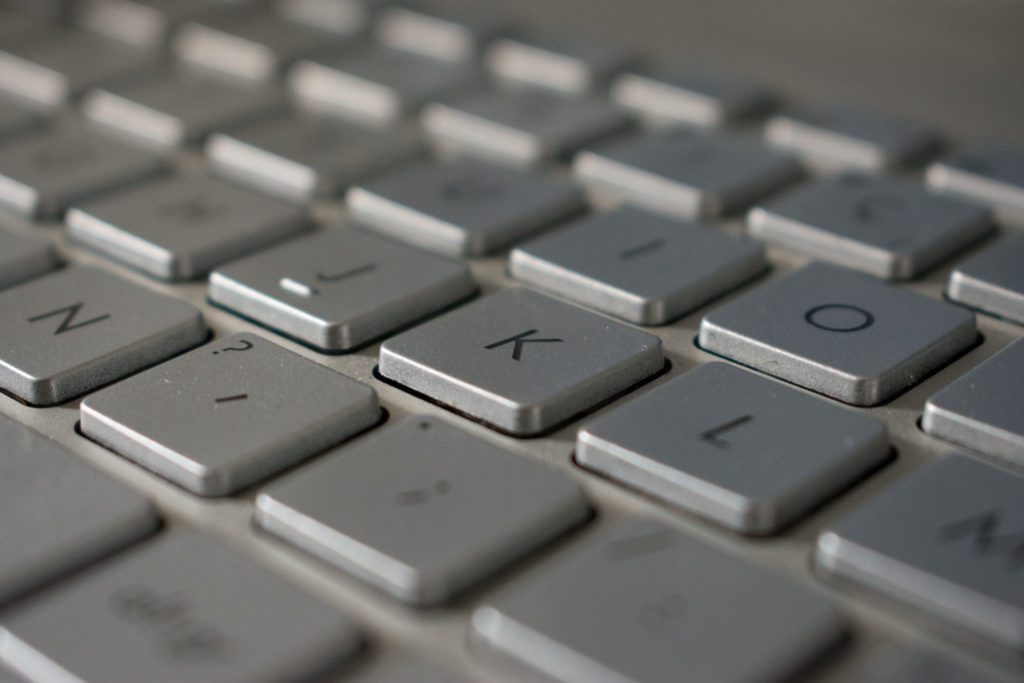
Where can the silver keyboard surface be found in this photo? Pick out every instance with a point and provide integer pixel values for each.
(417, 341)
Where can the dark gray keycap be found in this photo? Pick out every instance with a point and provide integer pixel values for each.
(146, 23)
(993, 280)
(438, 31)
(41, 174)
(80, 328)
(882, 226)
(300, 157)
(182, 608)
(638, 266)
(462, 208)
(684, 173)
(183, 226)
(848, 138)
(341, 16)
(229, 414)
(57, 514)
(15, 119)
(422, 510)
(521, 127)
(985, 173)
(982, 410)
(741, 450)
(562, 63)
(340, 288)
(520, 361)
(945, 539)
(840, 333)
(640, 602)
(24, 255)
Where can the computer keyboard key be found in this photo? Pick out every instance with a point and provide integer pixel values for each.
(521, 127)
(520, 361)
(145, 23)
(684, 173)
(840, 137)
(179, 108)
(57, 514)
(182, 608)
(183, 226)
(564, 64)
(841, 333)
(433, 30)
(985, 173)
(463, 208)
(300, 157)
(43, 173)
(638, 266)
(992, 281)
(340, 288)
(738, 449)
(348, 17)
(15, 119)
(640, 602)
(946, 539)
(423, 510)
(883, 226)
(80, 328)
(923, 667)
(24, 255)
(399, 668)
(228, 414)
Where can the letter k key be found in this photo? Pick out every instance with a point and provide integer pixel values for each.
(518, 341)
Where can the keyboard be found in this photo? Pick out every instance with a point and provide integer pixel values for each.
(374, 341)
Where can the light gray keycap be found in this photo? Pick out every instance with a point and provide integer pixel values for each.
(341, 16)
(679, 95)
(179, 108)
(80, 328)
(521, 127)
(640, 602)
(228, 414)
(14, 118)
(182, 608)
(840, 333)
(993, 281)
(57, 514)
(423, 510)
(300, 157)
(985, 173)
(882, 226)
(379, 86)
(738, 449)
(41, 174)
(684, 173)
(570, 65)
(945, 539)
(521, 361)
(183, 226)
(982, 410)
(24, 255)
(146, 23)
(638, 266)
(462, 208)
(846, 138)
(434, 30)
(340, 288)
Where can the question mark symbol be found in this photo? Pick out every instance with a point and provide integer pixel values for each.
(246, 346)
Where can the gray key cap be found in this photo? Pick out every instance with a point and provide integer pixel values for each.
(24, 255)
(434, 30)
(399, 668)
(80, 328)
(882, 226)
(340, 288)
(348, 17)
(985, 173)
(182, 608)
(57, 514)
(684, 173)
(379, 86)
(228, 414)
(735, 448)
(183, 226)
(922, 667)
(982, 410)
(640, 602)
(845, 138)
(993, 280)
(179, 108)
(520, 361)
(840, 333)
(462, 208)
(521, 127)
(945, 539)
(14, 118)
(569, 65)
(301, 157)
(40, 175)
(146, 23)
(423, 510)
(679, 95)
(638, 266)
